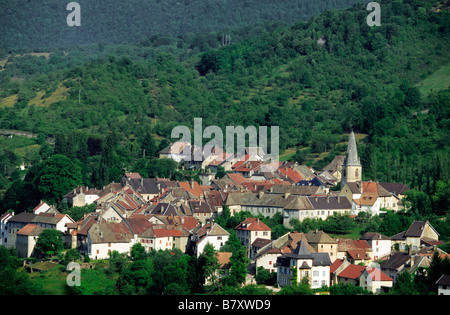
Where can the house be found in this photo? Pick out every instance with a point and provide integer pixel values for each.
(321, 207)
(199, 210)
(159, 238)
(226, 161)
(323, 243)
(44, 220)
(393, 200)
(4, 218)
(26, 240)
(43, 207)
(247, 168)
(290, 174)
(443, 284)
(215, 199)
(192, 187)
(417, 233)
(380, 244)
(103, 238)
(211, 233)
(355, 251)
(81, 196)
(335, 167)
(224, 264)
(177, 151)
(350, 274)
(336, 267)
(250, 229)
(369, 278)
(147, 188)
(266, 256)
(374, 280)
(304, 264)
(400, 262)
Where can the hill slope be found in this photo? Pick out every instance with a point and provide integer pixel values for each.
(361, 78)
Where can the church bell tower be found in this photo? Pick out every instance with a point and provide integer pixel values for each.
(352, 168)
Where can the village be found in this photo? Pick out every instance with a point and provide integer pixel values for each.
(161, 214)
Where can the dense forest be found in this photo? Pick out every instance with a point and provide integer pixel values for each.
(110, 107)
(42, 24)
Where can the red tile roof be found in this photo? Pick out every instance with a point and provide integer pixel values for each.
(252, 224)
(352, 272)
(377, 275)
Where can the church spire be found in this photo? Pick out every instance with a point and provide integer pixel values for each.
(352, 152)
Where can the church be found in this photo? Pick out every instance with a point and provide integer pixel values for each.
(367, 196)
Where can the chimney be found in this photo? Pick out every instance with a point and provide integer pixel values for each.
(286, 195)
(339, 198)
(328, 199)
(142, 181)
(261, 194)
(192, 183)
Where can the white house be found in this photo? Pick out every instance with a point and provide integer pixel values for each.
(251, 229)
(380, 244)
(213, 234)
(103, 238)
(158, 238)
(443, 285)
(26, 240)
(375, 281)
(303, 263)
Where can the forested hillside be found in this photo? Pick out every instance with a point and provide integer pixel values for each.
(41, 24)
(105, 112)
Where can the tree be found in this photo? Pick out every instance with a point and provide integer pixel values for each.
(56, 176)
(50, 242)
(404, 285)
(301, 288)
(137, 252)
(13, 282)
(209, 262)
(137, 278)
(238, 264)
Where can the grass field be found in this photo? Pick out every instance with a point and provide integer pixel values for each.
(437, 81)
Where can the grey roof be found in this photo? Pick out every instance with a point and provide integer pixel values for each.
(330, 202)
(110, 233)
(397, 260)
(443, 280)
(351, 157)
(144, 185)
(316, 237)
(268, 200)
(395, 188)
(295, 190)
(321, 259)
(23, 217)
(373, 236)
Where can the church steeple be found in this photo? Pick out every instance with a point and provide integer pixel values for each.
(352, 152)
(352, 168)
